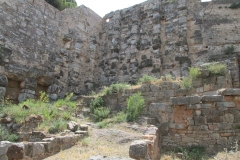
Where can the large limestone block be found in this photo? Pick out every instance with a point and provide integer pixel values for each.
(3, 81)
(229, 92)
(138, 149)
(185, 100)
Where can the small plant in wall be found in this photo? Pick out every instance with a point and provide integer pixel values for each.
(235, 5)
(229, 50)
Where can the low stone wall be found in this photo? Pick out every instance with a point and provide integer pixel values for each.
(148, 148)
(36, 150)
(211, 121)
(162, 91)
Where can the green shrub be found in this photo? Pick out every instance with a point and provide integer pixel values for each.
(6, 136)
(186, 83)
(57, 126)
(193, 153)
(235, 5)
(194, 72)
(218, 69)
(120, 117)
(135, 106)
(96, 103)
(229, 49)
(115, 88)
(12, 138)
(146, 79)
(100, 114)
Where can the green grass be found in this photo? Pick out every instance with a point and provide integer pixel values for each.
(115, 88)
(49, 111)
(101, 114)
(119, 118)
(146, 79)
(5, 135)
(193, 152)
(135, 106)
(194, 72)
(186, 83)
(217, 69)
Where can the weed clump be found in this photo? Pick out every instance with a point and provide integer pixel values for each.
(194, 72)
(217, 69)
(235, 5)
(6, 136)
(135, 105)
(115, 88)
(146, 79)
(229, 50)
(186, 83)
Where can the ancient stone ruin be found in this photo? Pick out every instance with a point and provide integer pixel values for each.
(43, 49)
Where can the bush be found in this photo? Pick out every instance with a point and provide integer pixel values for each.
(135, 105)
(193, 152)
(186, 83)
(6, 136)
(100, 114)
(194, 72)
(96, 103)
(120, 117)
(115, 88)
(229, 50)
(235, 5)
(57, 126)
(62, 4)
(218, 69)
(146, 79)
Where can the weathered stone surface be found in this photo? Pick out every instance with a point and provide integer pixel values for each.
(138, 149)
(37, 149)
(2, 93)
(72, 126)
(185, 100)
(225, 105)
(15, 151)
(3, 81)
(214, 98)
(229, 92)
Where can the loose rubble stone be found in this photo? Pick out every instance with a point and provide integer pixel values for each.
(72, 126)
(138, 149)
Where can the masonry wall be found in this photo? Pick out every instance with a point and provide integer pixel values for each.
(160, 37)
(48, 47)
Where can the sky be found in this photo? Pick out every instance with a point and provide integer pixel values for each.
(103, 7)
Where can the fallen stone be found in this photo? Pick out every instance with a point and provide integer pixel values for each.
(84, 127)
(72, 126)
(138, 149)
(84, 133)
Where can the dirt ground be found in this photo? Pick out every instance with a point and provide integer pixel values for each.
(114, 141)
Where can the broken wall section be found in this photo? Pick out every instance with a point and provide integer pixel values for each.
(47, 47)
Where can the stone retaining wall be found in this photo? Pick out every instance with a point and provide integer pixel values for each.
(36, 150)
(211, 121)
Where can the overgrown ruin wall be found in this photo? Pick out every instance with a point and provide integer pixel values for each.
(76, 50)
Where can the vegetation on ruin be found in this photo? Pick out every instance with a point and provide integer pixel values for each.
(55, 114)
(62, 4)
(194, 72)
(5, 135)
(146, 79)
(115, 88)
(186, 83)
(217, 69)
(229, 50)
(235, 5)
(135, 106)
